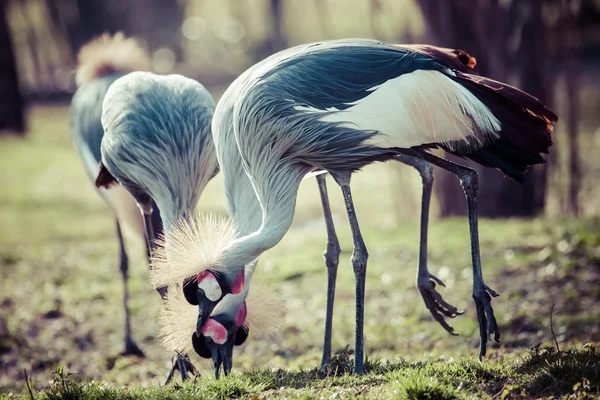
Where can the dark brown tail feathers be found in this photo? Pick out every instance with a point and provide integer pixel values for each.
(457, 59)
(526, 126)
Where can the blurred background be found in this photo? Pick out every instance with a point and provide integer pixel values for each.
(60, 291)
(549, 48)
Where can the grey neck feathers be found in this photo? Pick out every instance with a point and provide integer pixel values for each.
(262, 208)
(278, 199)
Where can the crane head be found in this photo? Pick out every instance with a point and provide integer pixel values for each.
(218, 337)
(227, 326)
(209, 289)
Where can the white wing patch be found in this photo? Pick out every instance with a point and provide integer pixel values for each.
(418, 108)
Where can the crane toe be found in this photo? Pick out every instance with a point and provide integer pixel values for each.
(486, 318)
(182, 364)
(436, 305)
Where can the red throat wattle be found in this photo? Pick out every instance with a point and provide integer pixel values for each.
(215, 330)
(238, 282)
(240, 318)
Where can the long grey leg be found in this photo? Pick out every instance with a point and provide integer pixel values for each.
(481, 292)
(359, 264)
(181, 363)
(131, 348)
(426, 281)
(332, 257)
(149, 234)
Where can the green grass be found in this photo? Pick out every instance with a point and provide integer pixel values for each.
(61, 295)
(542, 372)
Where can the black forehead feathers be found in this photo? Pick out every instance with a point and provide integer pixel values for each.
(241, 335)
(190, 290)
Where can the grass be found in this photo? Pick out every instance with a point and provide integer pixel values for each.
(543, 371)
(61, 295)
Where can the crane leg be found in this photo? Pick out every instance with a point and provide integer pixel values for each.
(182, 361)
(332, 257)
(426, 281)
(153, 226)
(482, 294)
(131, 348)
(359, 264)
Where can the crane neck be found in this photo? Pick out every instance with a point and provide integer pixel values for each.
(276, 196)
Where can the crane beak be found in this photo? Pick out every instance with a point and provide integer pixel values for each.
(205, 308)
(222, 354)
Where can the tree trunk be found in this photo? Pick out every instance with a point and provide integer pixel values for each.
(11, 104)
(278, 36)
(572, 46)
(483, 28)
(159, 22)
(94, 19)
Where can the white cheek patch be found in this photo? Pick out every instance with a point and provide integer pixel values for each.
(212, 289)
(216, 331)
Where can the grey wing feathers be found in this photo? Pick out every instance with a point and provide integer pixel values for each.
(86, 110)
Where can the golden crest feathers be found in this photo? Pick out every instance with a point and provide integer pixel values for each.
(177, 322)
(109, 54)
(190, 247)
(266, 313)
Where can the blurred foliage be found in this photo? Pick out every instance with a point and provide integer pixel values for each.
(209, 40)
(213, 41)
(216, 40)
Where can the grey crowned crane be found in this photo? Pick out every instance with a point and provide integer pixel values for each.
(100, 63)
(245, 209)
(337, 106)
(157, 144)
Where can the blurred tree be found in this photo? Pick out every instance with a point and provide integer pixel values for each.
(506, 37)
(572, 44)
(277, 40)
(278, 37)
(158, 22)
(11, 102)
(82, 20)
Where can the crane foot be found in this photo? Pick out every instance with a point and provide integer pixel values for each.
(434, 302)
(182, 364)
(485, 316)
(132, 349)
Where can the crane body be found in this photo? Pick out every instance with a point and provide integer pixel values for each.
(312, 107)
(101, 63)
(157, 144)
